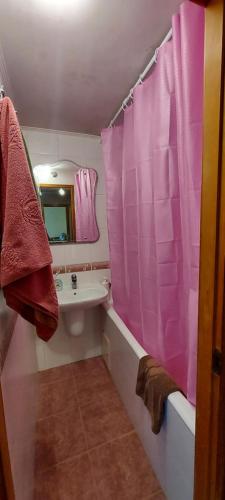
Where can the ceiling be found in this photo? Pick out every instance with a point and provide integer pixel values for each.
(68, 64)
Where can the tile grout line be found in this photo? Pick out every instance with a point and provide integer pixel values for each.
(87, 451)
(93, 448)
(56, 414)
(83, 426)
(62, 462)
(107, 441)
(93, 476)
(54, 381)
(86, 443)
(156, 493)
(86, 440)
(63, 410)
(110, 440)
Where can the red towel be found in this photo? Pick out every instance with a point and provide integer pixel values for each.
(25, 260)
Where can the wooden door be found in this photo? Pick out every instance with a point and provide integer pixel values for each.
(210, 423)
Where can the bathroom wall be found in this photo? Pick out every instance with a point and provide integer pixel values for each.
(48, 146)
(19, 391)
(64, 348)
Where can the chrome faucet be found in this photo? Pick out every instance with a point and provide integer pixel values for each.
(74, 281)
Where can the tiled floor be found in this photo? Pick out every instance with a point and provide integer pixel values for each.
(87, 448)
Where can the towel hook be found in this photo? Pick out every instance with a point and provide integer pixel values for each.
(2, 92)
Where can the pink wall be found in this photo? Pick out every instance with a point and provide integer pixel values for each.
(19, 389)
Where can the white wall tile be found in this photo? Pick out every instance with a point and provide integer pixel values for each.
(99, 167)
(96, 163)
(41, 141)
(100, 249)
(100, 185)
(101, 212)
(41, 159)
(77, 253)
(83, 147)
(58, 254)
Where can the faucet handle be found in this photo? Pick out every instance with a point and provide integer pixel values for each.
(74, 281)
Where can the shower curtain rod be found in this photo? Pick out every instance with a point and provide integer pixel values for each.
(140, 78)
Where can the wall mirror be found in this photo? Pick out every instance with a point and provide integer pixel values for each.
(67, 193)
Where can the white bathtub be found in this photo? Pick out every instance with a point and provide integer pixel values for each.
(171, 452)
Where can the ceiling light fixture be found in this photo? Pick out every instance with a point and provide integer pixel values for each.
(62, 192)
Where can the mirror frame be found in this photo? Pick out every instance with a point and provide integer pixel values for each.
(72, 217)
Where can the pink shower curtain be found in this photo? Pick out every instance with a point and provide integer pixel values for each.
(85, 214)
(153, 184)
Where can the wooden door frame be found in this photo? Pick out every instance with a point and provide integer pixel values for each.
(9, 493)
(210, 411)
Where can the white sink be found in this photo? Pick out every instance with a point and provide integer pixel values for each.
(82, 298)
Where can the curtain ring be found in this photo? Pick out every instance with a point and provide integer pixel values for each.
(156, 54)
(124, 105)
(131, 95)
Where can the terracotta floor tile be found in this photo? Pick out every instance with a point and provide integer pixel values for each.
(58, 373)
(86, 366)
(82, 409)
(105, 420)
(71, 480)
(122, 471)
(97, 391)
(90, 370)
(59, 437)
(94, 382)
(57, 396)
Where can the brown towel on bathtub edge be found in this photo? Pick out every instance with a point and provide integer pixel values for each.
(154, 386)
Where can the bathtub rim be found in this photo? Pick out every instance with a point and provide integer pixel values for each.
(182, 406)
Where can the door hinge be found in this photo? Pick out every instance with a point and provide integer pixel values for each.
(217, 362)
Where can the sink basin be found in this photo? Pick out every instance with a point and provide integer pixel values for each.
(82, 298)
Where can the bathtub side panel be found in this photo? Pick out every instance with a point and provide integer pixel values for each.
(171, 452)
(180, 449)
